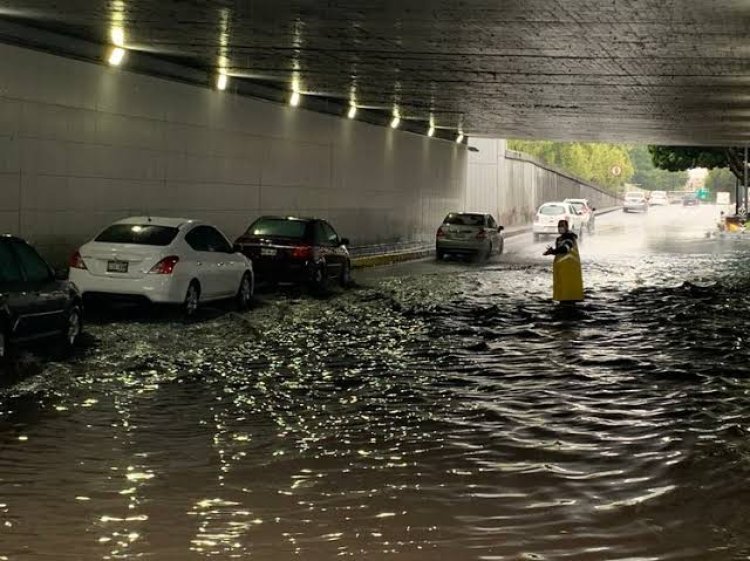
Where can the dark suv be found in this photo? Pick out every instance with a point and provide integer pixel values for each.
(296, 250)
(34, 304)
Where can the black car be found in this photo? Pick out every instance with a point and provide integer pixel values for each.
(34, 304)
(298, 250)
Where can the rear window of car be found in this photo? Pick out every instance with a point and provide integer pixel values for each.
(634, 195)
(278, 228)
(456, 219)
(578, 206)
(139, 234)
(552, 210)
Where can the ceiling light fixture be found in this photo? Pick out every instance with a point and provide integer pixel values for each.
(431, 131)
(222, 81)
(116, 56)
(118, 36)
(460, 138)
(295, 100)
(352, 112)
(395, 122)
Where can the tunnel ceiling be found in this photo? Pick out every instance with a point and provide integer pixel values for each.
(660, 71)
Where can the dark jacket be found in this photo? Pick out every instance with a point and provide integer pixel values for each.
(565, 243)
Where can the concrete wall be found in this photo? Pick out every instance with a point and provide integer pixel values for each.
(82, 145)
(513, 185)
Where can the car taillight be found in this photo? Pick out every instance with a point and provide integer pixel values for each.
(440, 233)
(302, 252)
(165, 266)
(482, 235)
(76, 261)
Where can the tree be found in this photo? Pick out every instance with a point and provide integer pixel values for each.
(649, 177)
(679, 158)
(590, 161)
(721, 179)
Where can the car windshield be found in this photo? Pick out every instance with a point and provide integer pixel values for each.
(552, 210)
(634, 195)
(658, 194)
(278, 228)
(454, 219)
(139, 234)
(580, 207)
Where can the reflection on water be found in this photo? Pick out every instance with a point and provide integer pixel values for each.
(442, 416)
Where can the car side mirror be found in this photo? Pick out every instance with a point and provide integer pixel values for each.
(236, 248)
(593, 210)
(500, 228)
(345, 241)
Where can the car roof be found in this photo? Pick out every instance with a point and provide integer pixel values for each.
(576, 201)
(555, 203)
(11, 237)
(157, 221)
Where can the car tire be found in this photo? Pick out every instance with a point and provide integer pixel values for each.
(245, 292)
(5, 345)
(345, 279)
(73, 327)
(192, 299)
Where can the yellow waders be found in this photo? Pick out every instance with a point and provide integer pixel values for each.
(567, 279)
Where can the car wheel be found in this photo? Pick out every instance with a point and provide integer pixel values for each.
(5, 348)
(192, 299)
(245, 292)
(73, 327)
(345, 280)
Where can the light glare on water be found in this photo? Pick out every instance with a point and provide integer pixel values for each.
(441, 411)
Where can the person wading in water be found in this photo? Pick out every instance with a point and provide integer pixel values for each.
(567, 280)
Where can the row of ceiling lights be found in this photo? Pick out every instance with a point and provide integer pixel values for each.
(117, 56)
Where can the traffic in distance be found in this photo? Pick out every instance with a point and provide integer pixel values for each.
(185, 263)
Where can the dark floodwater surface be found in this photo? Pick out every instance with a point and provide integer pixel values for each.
(452, 414)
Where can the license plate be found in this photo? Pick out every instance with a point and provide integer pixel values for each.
(117, 266)
(267, 252)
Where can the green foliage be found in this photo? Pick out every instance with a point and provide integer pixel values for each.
(721, 179)
(652, 178)
(681, 158)
(591, 162)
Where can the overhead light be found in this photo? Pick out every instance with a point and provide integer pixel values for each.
(395, 122)
(431, 131)
(295, 99)
(222, 81)
(460, 138)
(118, 36)
(352, 111)
(116, 56)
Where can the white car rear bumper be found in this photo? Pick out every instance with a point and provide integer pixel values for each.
(161, 289)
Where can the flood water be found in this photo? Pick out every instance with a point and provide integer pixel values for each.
(439, 411)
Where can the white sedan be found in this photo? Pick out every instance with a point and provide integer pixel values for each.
(165, 261)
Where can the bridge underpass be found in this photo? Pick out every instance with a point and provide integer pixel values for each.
(439, 410)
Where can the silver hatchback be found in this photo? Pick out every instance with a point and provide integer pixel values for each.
(469, 233)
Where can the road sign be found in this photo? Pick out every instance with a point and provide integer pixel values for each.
(616, 171)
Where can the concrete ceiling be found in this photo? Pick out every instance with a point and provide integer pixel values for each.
(659, 71)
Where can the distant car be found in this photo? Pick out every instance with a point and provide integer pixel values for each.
(34, 304)
(549, 214)
(635, 202)
(690, 200)
(297, 250)
(469, 233)
(586, 211)
(163, 261)
(659, 198)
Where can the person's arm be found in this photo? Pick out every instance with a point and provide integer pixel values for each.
(563, 246)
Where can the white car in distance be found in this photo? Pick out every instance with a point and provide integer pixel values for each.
(165, 261)
(659, 198)
(549, 214)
